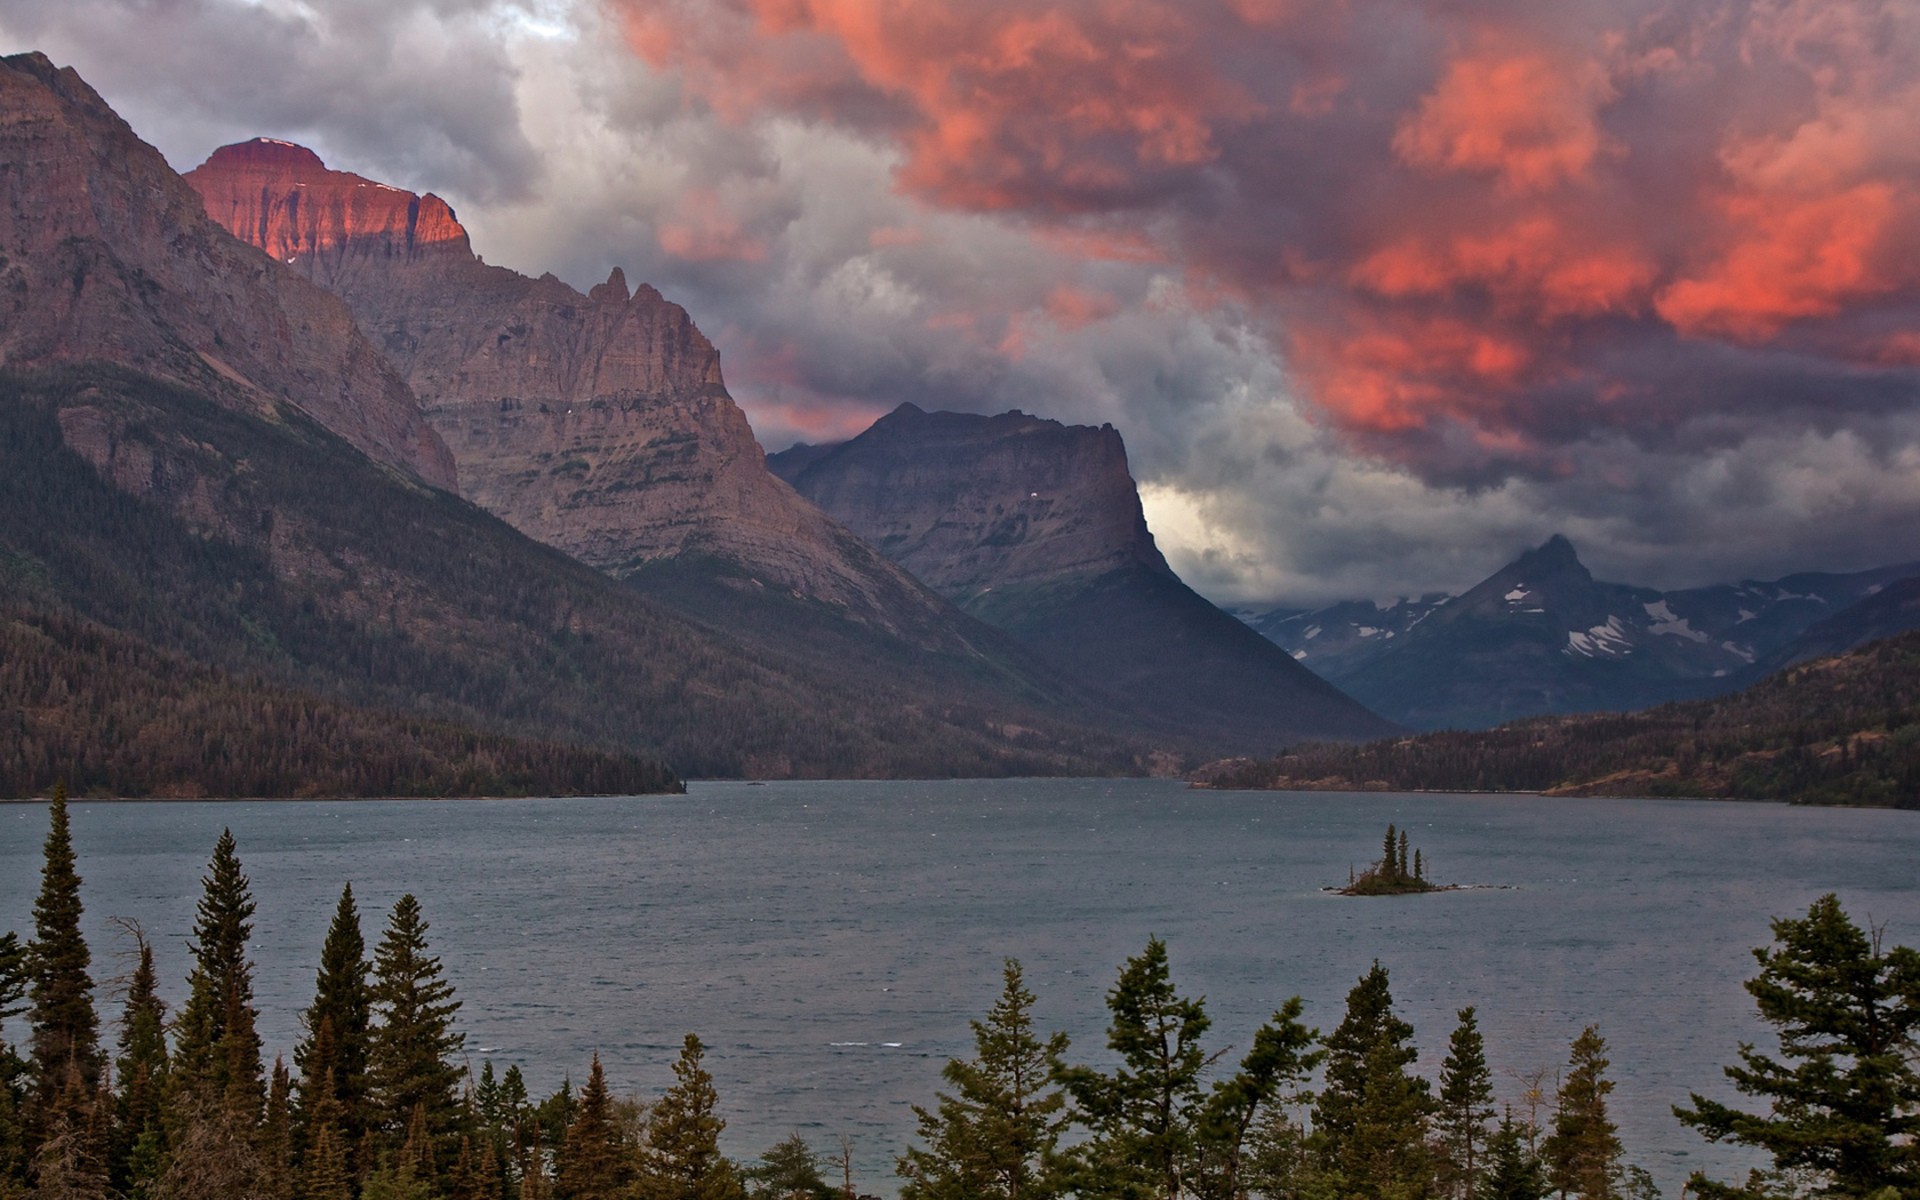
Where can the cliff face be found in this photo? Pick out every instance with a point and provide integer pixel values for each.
(106, 255)
(1036, 527)
(599, 424)
(973, 504)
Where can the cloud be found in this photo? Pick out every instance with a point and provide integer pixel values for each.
(1378, 292)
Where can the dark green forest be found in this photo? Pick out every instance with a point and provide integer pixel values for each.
(377, 1104)
(1841, 730)
(86, 703)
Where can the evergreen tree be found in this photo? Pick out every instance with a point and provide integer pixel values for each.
(1845, 1091)
(1403, 870)
(217, 1058)
(324, 1171)
(139, 1141)
(1513, 1171)
(1281, 1057)
(680, 1158)
(1583, 1151)
(789, 1170)
(997, 1137)
(1142, 1119)
(65, 1031)
(413, 1049)
(1370, 1120)
(593, 1163)
(1465, 1106)
(1390, 853)
(338, 1025)
(276, 1136)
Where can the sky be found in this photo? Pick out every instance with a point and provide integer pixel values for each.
(1379, 292)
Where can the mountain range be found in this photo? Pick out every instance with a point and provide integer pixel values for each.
(1541, 635)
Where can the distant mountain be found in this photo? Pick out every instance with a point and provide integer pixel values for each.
(1036, 527)
(1541, 635)
(1887, 610)
(1837, 730)
(201, 454)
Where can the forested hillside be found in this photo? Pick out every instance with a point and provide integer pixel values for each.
(1841, 730)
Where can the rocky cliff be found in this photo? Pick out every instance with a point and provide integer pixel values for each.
(1036, 527)
(596, 423)
(105, 255)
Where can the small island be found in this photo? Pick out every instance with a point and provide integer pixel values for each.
(1393, 875)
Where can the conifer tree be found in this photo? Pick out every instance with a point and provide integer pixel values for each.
(680, 1157)
(65, 1031)
(1271, 1073)
(276, 1136)
(1845, 1092)
(1142, 1119)
(593, 1162)
(789, 1170)
(1390, 853)
(997, 1136)
(338, 1025)
(324, 1171)
(1465, 1106)
(1371, 1115)
(139, 1142)
(1404, 870)
(1583, 1151)
(1513, 1171)
(217, 1058)
(414, 1046)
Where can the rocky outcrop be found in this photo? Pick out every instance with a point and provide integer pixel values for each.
(106, 255)
(597, 423)
(1036, 527)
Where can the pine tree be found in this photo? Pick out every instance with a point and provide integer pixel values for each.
(65, 1031)
(1270, 1074)
(1845, 1091)
(139, 1141)
(217, 1058)
(413, 1049)
(680, 1158)
(1513, 1171)
(1142, 1119)
(593, 1161)
(1465, 1106)
(1389, 853)
(1583, 1151)
(338, 1025)
(789, 1170)
(1403, 870)
(324, 1171)
(276, 1136)
(1371, 1116)
(997, 1137)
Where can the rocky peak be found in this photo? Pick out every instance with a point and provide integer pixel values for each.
(106, 254)
(973, 503)
(613, 291)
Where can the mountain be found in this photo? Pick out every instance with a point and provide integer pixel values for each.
(1541, 635)
(1888, 609)
(599, 423)
(189, 460)
(1036, 527)
(1837, 730)
(99, 261)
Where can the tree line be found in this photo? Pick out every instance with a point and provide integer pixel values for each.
(1843, 730)
(377, 1104)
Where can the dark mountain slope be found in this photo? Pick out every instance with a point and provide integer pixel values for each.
(1036, 527)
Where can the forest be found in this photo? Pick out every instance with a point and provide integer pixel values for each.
(376, 1104)
(1841, 730)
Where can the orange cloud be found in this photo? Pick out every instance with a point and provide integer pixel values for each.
(1525, 115)
(1397, 371)
(1536, 267)
(1073, 308)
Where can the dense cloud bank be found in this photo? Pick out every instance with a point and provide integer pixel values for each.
(1378, 291)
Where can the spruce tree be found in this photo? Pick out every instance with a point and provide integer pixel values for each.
(1513, 1171)
(139, 1140)
(1583, 1151)
(593, 1163)
(1142, 1118)
(997, 1136)
(1844, 1092)
(1465, 1106)
(680, 1156)
(324, 1174)
(1390, 853)
(1270, 1074)
(65, 1031)
(338, 1024)
(1370, 1119)
(412, 1058)
(1403, 870)
(217, 1058)
(276, 1136)
(789, 1170)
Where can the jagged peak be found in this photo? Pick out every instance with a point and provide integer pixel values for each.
(613, 290)
(1556, 551)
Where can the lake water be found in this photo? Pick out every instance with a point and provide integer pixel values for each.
(830, 941)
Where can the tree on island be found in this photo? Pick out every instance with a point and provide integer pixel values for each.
(1400, 870)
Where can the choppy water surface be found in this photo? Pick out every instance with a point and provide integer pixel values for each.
(830, 941)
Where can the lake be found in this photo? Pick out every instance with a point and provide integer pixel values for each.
(830, 941)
